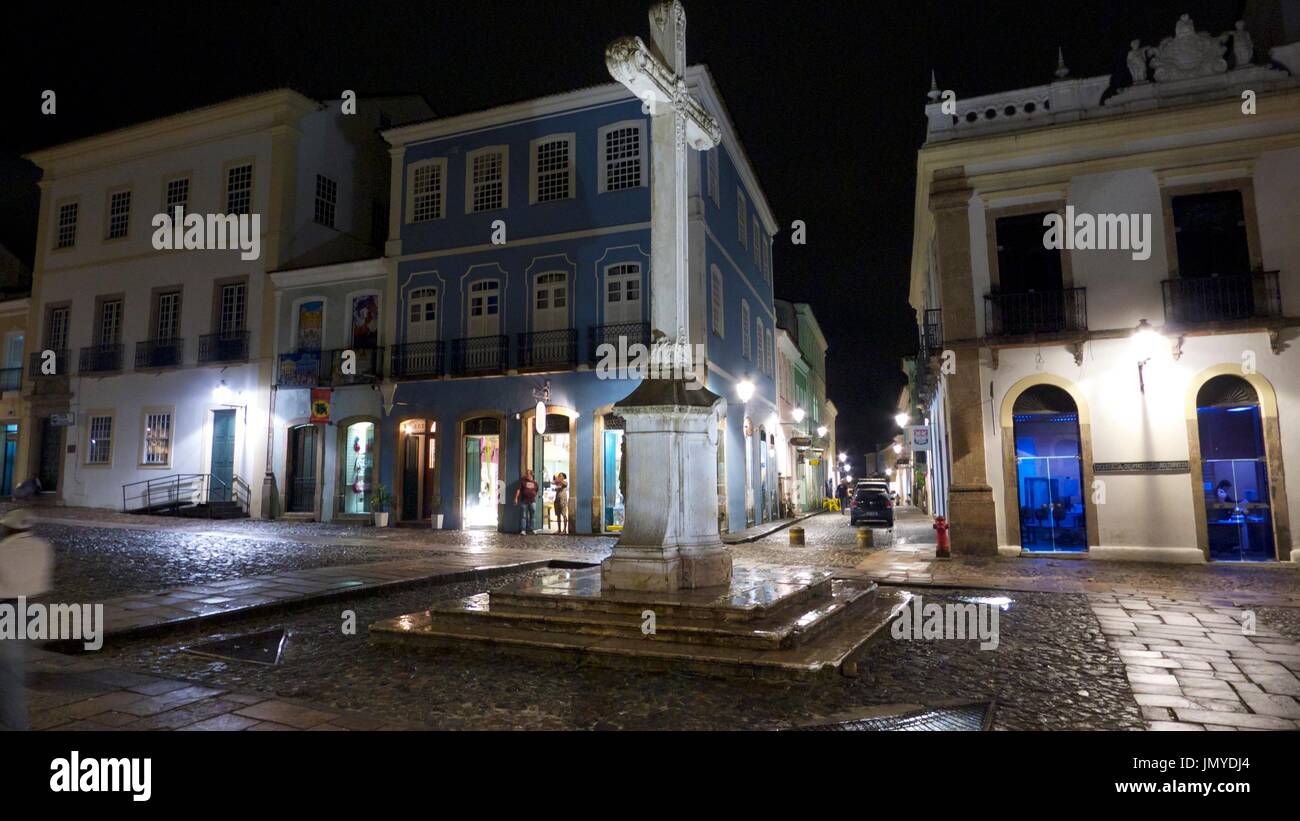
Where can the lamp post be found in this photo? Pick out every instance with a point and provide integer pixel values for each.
(1147, 343)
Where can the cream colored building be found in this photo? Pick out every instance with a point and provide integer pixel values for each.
(1133, 400)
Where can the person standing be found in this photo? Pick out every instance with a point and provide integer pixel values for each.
(526, 495)
(561, 485)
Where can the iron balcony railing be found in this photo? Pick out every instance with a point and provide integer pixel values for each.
(1222, 298)
(226, 346)
(11, 379)
(417, 360)
(159, 353)
(299, 369)
(1036, 312)
(59, 364)
(478, 355)
(548, 350)
(355, 366)
(618, 335)
(932, 332)
(101, 358)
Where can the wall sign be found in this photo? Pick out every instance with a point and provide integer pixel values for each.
(62, 420)
(919, 436)
(1141, 467)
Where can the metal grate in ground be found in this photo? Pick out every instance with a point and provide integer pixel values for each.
(974, 717)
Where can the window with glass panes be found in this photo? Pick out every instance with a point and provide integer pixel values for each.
(239, 189)
(426, 192)
(232, 307)
(177, 196)
(110, 322)
(169, 315)
(157, 438)
(100, 447)
(56, 330)
(119, 214)
(552, 158)
(622, 150)
(327, 200)
(67, 233)
(487, 181)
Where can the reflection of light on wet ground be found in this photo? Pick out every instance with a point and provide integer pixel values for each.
(1000, 602)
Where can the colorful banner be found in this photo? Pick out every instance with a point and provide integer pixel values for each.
(320, 405)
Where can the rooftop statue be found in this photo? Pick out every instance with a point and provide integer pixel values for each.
(1189, 53)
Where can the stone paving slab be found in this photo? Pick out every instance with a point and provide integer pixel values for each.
(144, 612)
(68, 694)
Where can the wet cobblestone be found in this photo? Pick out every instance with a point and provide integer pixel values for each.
(1052, 670)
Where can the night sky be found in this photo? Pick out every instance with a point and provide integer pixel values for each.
(827, 98)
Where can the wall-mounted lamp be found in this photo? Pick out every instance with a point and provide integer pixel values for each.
(898, 448)
(821, 431)
(745, 389)
(1147, 343)
(798, 414)
(902, 419)
(539, 412)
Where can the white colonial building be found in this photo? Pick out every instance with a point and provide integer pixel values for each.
(1126, 392)
(149, 373)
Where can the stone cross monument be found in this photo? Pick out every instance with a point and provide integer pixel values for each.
(670, 537)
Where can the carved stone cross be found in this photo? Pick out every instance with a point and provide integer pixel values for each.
(657, 75)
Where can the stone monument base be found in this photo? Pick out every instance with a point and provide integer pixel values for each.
(768, 622)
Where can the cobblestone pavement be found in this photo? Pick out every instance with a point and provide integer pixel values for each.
(1194, 667)
(1052, 669)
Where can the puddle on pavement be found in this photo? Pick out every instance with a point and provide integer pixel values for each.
(265, 647)
(1001, 602)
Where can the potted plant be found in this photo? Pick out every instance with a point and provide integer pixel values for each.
(379, 501)
(435, 507)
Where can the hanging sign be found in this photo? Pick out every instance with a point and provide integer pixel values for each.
(919, 436)
(320, 405)
(1141, 467)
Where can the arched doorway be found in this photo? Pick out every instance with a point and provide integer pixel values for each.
(1049, 471)
(1234, 471)
(483, 486)
(552, 456)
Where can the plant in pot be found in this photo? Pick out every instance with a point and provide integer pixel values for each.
(380, 498)
(435, 508)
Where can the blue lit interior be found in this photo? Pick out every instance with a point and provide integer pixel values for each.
(1234, 478)
(1049, 472)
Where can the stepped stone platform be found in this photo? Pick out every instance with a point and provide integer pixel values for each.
(772, 622)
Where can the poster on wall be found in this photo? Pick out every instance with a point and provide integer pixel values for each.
(320, 405)
(311, 323)
(365, 321)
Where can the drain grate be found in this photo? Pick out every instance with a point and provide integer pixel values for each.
(963, 718)
(265, 647)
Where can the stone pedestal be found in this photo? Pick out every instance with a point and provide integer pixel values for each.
(972, 515)
(670, 537)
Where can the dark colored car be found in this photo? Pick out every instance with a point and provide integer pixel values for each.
(872, 508)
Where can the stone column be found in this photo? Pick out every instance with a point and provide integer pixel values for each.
(670, 536)
(970, 498)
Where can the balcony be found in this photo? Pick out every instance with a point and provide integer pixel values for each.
(159, 353)
(105, 358)
(479, 355)
(11, 379)
(1036, 312)
(366, 366)
(417, 360)
(1219, 298)
(625, 334)
(932, 332)
(300, 369)
(56, 380)
(548, 350)
(227, 346)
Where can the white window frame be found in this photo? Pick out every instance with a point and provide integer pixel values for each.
(125, 223)
(169, 210)
(570, 141)
(602, 150)
(75, 205)
(326, 202)
(440, 163)
(760, 345)
(746, 334)
(225, 184)
(242, 304)
(624, 274)
(91, 416)
(168, 411)
(504, 151)
(756, 244)
(742, 218)
(422, 296)
(716, 306)
(771, 350)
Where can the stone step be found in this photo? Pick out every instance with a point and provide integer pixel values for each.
(789, 627)
(752, 596)
(838, 646)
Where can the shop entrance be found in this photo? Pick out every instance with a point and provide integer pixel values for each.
(419, 469)
(357, 468)
(550, 462)
(302, 469)
(1049, 471)
(483, 491)
(1234, 471)
(613, 464)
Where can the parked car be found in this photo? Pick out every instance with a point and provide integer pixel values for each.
(872, 507)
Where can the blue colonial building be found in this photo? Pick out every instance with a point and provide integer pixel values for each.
(519, 241)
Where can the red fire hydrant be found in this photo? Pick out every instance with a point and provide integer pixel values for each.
(941, 526)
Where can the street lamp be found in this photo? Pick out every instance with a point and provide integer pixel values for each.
(744, 390)
(798, 414)
(902, 419)
(821, 431)
(898, 448)
(844, 457)
(1147, 343)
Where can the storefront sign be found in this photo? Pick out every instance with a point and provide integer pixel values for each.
(62, 420)
(1141, 467)
(919, 436)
